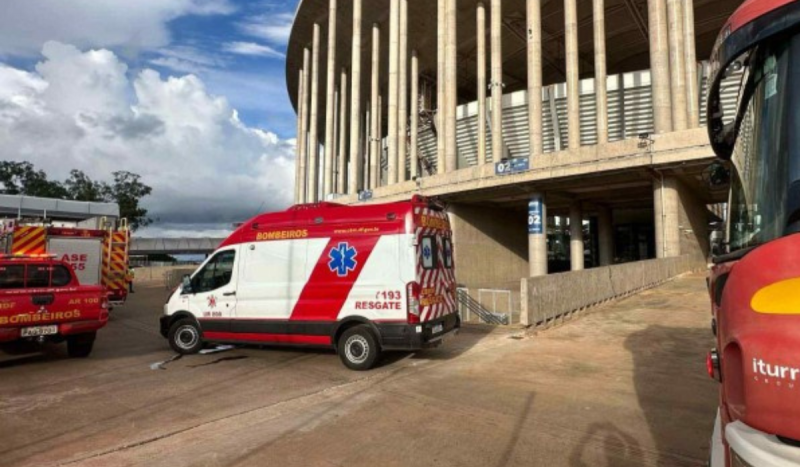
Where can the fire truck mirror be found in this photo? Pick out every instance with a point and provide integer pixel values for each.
(717, 175)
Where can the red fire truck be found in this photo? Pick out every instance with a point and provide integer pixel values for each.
(41, 300)
(755, 283)
(98, 256)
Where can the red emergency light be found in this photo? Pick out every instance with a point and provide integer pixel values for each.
(29, 256)
(712, 365)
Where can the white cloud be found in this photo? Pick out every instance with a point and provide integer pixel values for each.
(187, 59)
(80, 110)
(275, 28)
(252, 49)
(25, 25)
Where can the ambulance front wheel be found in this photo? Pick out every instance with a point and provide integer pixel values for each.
(185, 337)
(358, 348)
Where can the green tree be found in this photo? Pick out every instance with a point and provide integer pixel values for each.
(127, 190)
(22, 178)
(82, 188)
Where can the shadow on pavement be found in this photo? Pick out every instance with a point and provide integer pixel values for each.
(675, 398)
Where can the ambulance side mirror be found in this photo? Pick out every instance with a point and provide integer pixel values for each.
(186, 286)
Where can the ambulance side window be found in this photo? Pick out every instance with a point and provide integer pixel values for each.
(12, 277)
(38, 276)
(448, 253)
(215, 274)
(429, 252)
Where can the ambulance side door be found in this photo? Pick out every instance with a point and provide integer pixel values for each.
(212, 295)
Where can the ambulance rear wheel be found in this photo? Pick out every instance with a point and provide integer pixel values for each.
(358, 348)
(80, 345)
(185, 337)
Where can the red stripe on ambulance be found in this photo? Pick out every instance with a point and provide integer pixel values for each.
(327, 289)
(260, 337)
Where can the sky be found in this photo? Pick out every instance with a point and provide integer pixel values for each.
(190, 94)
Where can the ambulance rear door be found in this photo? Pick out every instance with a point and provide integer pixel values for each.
(84, 254)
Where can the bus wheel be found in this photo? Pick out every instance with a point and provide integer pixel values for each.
(358, 348)
(184, 337)
(80, 345)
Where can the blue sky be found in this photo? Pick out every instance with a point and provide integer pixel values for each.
(191, 94)
(236, 50)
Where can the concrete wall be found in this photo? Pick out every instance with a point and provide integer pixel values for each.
(693, 218)
(169, 276)
(490, 246)
(546, 298)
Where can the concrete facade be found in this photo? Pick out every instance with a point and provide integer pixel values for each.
(492, 246)
(462, 83)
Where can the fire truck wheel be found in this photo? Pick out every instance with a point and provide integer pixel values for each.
(358, 348)
(185, 337)
(80, 345)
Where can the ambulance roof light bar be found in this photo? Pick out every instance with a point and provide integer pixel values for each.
(319, 205)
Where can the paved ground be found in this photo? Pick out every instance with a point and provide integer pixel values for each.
(622, 386)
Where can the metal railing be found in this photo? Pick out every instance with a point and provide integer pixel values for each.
(468, 306)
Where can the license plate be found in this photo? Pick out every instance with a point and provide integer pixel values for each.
(39, 331)
(436, 329)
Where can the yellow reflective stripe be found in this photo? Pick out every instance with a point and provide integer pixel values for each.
(780, 298)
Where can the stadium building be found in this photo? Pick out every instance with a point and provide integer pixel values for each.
(562, 134)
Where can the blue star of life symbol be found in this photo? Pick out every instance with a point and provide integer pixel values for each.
(427, 252)
(343, 259)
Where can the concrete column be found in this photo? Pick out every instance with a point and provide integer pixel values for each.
(330, 105)
(605, 236)
(573, 73)
(402, 108)
(342, 159)
(313, 132)
(355, 107)
(441, 46)
(665, 206)
(304, 181)
(366, 183)
(576, 236)
(677, 64)
(451, 88)
(481, 75)
(377, 169)
(534, 14)
(690, 59)
(392, 98)
(332, 146)
(600, 85)
(370, 182)
(497, 80)
(659, 65)
(299, 164)
(413, 151)
(374, 151)
(537, 235)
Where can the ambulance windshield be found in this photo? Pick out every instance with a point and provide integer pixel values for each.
(765, 180)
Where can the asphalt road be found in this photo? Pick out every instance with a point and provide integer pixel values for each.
(624, 385)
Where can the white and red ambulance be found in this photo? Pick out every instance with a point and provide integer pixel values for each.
(360, 279)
